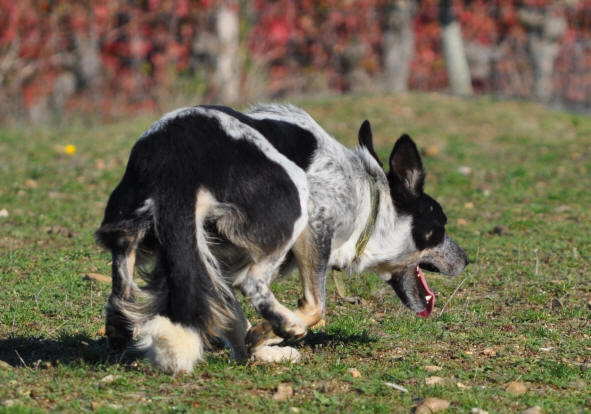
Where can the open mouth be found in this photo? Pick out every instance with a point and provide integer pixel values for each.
(429, 296)
(414, 292)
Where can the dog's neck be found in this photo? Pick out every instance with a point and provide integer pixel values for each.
(391, 240)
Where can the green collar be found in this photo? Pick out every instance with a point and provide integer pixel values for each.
(371, 221)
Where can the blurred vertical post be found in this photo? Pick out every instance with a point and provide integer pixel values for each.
(227, 70)
(453, 50)
(399, 43)
(545, 28)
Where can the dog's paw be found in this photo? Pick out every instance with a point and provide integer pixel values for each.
(118, 330)
(270, 354)
(291, 328)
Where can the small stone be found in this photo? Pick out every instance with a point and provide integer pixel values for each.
(432, 368)
(23, 391)
(562, 209)
(431, 151)
(284, 392)
(469, 205)
(464, 170)
(432, 405)
(294, 410)
(100, 164)
(434, 380)
(536, 409)
(463, 386)
(8, 403)
(3, 213)
(5, 365)
(485, 190)
(489, 352)
(516, 388)
(476, 410)
(354, 372)
(98, 277)
(108, 379)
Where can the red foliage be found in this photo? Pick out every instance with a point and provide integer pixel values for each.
(128, 55)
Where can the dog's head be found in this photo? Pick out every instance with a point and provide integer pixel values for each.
(428, 247)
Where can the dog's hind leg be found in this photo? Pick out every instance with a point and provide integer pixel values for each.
(124, 226)
(118, 328)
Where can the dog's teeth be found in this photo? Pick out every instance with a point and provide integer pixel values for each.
(428, 298)
(418, 271)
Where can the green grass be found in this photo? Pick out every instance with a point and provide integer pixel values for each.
(530, 172)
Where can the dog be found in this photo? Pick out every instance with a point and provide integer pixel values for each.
(222, 201)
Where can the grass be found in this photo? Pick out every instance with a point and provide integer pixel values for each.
(522, 312)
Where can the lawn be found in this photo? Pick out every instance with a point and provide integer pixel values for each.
(515, 181)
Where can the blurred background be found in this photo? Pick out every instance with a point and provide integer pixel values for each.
(114, 58)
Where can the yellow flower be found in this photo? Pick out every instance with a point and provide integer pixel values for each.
(70, 149)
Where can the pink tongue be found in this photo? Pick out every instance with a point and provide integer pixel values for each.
(430, 302)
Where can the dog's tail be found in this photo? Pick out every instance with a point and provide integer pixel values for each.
(189, 301)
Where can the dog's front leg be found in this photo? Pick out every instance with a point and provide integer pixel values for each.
(235, 333)
(279, 320)
(312, 252)
(280, 323)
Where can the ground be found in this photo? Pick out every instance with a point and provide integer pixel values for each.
(514, 181)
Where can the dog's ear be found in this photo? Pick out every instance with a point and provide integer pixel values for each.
(366, 140)
(406, 165)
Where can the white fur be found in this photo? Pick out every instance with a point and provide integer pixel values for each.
(345, 252)
(205, 202)
(170, 346)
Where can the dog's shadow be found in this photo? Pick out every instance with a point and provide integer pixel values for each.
(39, 352)
(321, 339)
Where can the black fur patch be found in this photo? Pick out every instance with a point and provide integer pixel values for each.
(294, 142)
(169, 165)
(428, 218)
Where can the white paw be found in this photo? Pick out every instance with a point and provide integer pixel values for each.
(276, 354)
(170, 346)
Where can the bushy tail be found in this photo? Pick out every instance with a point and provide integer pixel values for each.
(188, 299)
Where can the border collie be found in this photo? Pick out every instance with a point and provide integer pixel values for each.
(221, 200)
